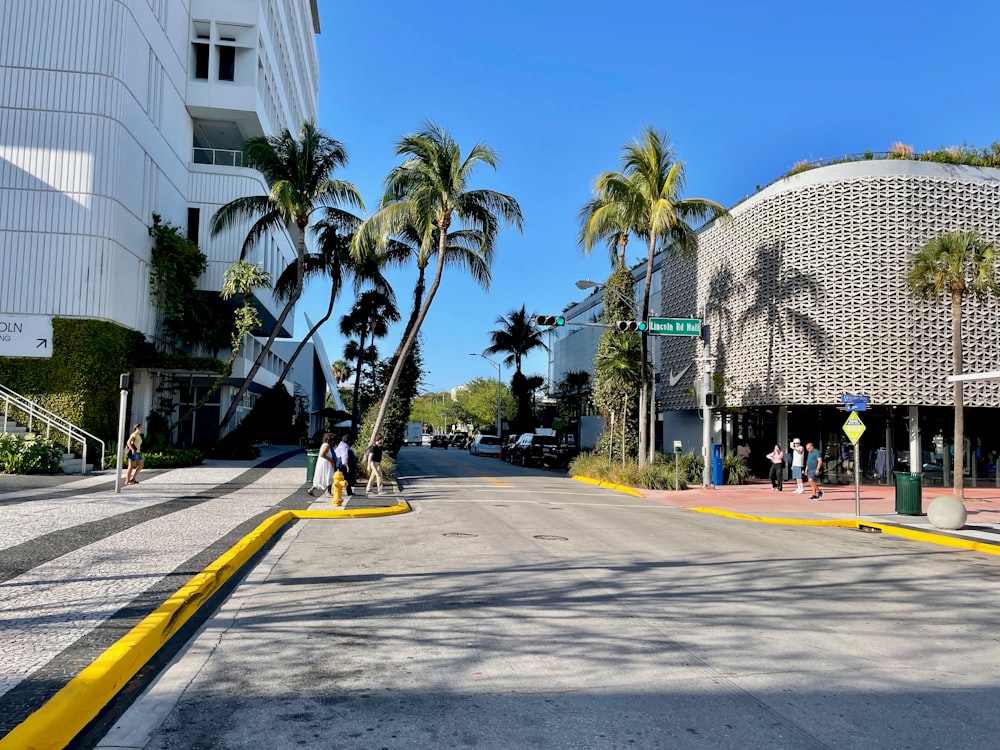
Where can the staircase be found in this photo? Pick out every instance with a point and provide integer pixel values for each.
(39, 420)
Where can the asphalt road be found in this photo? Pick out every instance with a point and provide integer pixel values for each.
(516, 608)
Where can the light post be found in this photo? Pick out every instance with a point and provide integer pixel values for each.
(499, 388)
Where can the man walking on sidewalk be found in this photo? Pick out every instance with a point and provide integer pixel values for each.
(798, 465)
(813, 463)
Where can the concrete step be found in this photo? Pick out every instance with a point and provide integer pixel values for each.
(75, 466)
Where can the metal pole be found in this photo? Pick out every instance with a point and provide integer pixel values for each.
(611, 438)
(652, 404)
(677, 470)
(122, 406)
(706, 413)
(499, 391)
(857, 478)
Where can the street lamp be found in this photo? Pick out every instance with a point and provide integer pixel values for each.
(499, 386)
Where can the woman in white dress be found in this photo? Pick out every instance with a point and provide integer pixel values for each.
(323, 475)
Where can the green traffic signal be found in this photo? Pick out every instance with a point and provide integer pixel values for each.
(560, 320)
(550, 320)
(641, 326)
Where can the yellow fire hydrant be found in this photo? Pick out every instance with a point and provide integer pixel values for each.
(339, 484)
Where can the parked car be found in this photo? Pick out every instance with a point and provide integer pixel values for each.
(426, 439)
(505, 447)
(530, 449)
(458, 439)
(485, 445)
(439, 441)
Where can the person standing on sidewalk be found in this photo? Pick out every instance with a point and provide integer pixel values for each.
(133, 451)
(323, 473)
(777, 459)
(343, 452)
(374, 458)
(798, 465)
(814, 461)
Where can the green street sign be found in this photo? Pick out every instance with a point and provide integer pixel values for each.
(675, 326)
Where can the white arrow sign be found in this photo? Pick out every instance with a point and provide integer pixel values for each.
(25, 335)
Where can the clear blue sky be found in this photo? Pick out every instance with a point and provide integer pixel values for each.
(745, 89)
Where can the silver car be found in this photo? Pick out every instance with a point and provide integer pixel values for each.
(485, 445)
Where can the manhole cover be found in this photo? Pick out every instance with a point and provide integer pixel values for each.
(459, 535)
(550, 538)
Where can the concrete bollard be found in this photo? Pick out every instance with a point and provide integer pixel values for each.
(947, 512)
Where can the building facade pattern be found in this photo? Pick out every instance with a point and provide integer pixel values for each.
(805, 289)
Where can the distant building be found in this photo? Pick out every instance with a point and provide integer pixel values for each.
(111, 111)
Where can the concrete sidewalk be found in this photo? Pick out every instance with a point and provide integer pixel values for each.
(838, 502)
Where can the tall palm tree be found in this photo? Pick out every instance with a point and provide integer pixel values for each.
(646, 199)
(620, 362)
(333, 260)
(957, 264)
(515, 338)
(299, 174)
(428, 192)
(371, 315)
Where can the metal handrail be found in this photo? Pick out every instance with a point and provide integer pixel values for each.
(51, 421)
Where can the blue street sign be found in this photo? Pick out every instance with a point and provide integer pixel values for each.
(846, 398)
(856, 406)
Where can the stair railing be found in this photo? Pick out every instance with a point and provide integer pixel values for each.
(53, 423)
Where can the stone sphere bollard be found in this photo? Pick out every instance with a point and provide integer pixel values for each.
(946, 512)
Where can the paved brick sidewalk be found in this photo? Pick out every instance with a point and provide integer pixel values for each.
(80, 565)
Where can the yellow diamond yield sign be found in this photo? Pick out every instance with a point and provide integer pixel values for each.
(853, 428)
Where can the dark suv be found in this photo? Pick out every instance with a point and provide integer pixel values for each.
(439, 441)
(531, 449)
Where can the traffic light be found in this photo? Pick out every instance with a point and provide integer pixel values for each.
(550, 320)
(631, 325)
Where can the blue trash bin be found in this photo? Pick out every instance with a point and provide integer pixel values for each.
(717, 465)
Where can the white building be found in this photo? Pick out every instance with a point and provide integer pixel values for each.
(113, 110)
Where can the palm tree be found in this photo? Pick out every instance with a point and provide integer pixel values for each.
(335, 261)
(341, 370)
(515, 338)
(621, 364)
(427, 192)
(299, 174)
(645, 199)
(371, 314)
(958, 264)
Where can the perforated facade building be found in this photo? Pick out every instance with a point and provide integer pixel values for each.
(805, 289)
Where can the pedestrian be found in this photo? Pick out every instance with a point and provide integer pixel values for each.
(777, 459)
(814, 462)
(323, 473)
(133, 452)
(343, 462)
(798, 465)
(374, 457)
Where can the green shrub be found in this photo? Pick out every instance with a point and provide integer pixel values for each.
(735, 469)
(173, 458)
(656, 476)
(29, 454)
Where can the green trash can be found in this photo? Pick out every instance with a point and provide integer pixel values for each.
(908, 494)
(312, 456)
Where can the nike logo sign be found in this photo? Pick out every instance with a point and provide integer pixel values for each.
(675, 378)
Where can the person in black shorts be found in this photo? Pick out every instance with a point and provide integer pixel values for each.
(374, 457)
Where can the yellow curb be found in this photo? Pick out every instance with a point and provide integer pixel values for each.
(65, 714)
(610, 486)
(858, 523)
(848, 523)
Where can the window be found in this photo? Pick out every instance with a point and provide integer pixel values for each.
(194, 219)
(227, 63)
(201, 61)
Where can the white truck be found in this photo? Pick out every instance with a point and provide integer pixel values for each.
(414, 431)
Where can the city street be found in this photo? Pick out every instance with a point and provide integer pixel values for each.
(518, 608)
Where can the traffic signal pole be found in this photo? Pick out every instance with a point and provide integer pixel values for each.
(706, 410)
